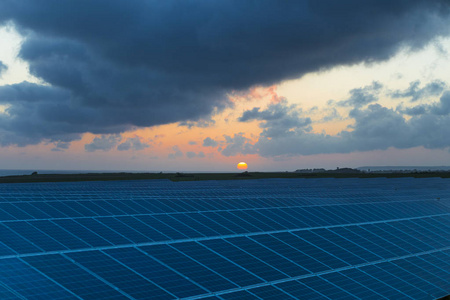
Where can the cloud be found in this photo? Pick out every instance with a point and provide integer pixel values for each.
(3, 68)
(133, 143)
(278, 119)
(200, 123)
(415, 93)
(43, 113)
(176, 153)
(104, 143)
(237, 145)
(61, 146)
(362, 96)
(192, 143)
(111, 66)
(191, 154)
(209, 142)
(331, 115)
(440, 108)
(375, 127)
(413, 111)
(443, 106)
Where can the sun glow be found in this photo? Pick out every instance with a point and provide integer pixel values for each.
(242, 166)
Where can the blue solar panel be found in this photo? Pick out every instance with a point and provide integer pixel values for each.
(258, 239)
(74, 277)
(156, 271)
(28, 282)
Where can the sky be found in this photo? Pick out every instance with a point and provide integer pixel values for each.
(199, 85)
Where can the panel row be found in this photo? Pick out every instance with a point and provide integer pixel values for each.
(183, 270)
(254, 194)
(317, 250)
(102, 205)
(310, 216)
(412, 278)
(79, 233)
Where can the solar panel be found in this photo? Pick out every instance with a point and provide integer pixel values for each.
(256, 239)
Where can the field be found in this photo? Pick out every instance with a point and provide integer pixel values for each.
(207, 176)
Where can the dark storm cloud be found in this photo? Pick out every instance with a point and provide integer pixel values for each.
(3, 68)
(414, 92)
(117, 64)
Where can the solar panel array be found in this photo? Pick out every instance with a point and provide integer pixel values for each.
(257, 239)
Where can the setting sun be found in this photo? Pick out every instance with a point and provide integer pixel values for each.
(242, 166)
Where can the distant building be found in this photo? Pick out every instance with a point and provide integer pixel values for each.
(321, 170)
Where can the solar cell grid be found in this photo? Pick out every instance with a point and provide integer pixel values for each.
(289, 252)
(370, 241)
(178, 226)
(244, 259)
(298, 290)
(377, 285)
(122, 229)
(8, 294)
(329, 247)
(326, 288)
(90, 237)
(270, 292)
(238, 295)
(259, 220)
(438, 259)
(261, 239)
(311, 250)
(60, 235)
(418, 277)
(73, 277)
(353, 287)
(34, 212)
(118, 275)
(156, 272)
(30, 283)
(196, 222)
(388, 241)
(161, 227)
(15, 212)
(217, 263)
(347, 244)
(432, 273)
(104, 231)
(35, 236)
(395, 277)
(272, 258)
(205, 277)
(406, 233)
